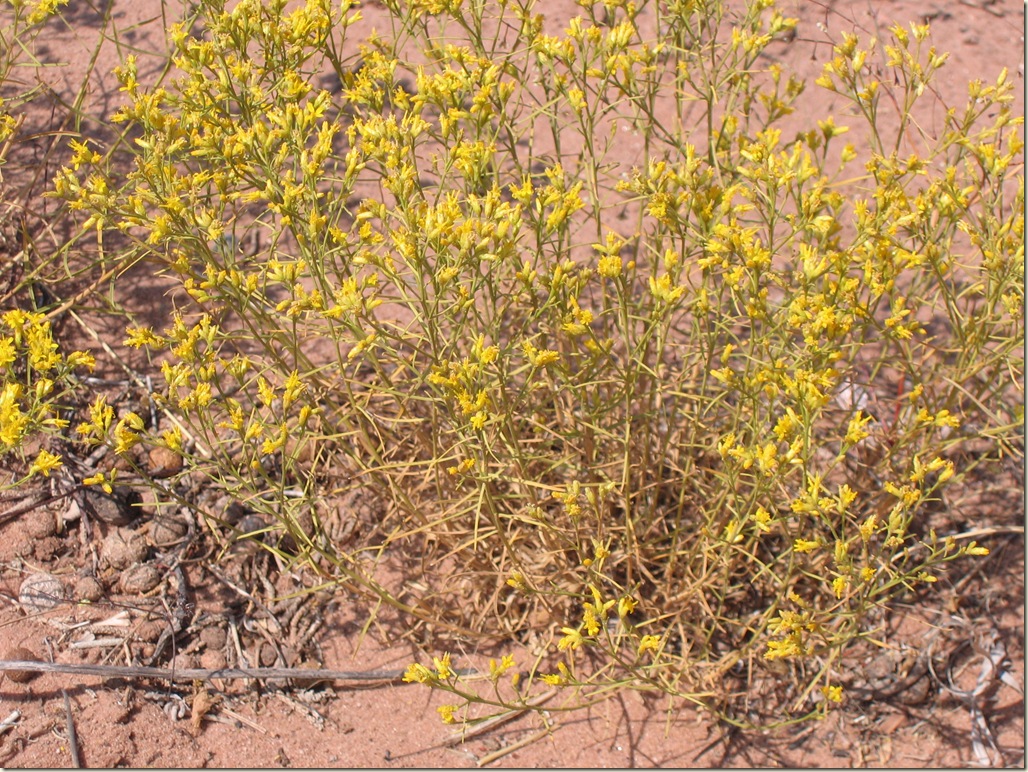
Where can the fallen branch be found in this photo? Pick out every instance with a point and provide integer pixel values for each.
(202, 674)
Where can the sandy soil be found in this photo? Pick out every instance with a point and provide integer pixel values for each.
(906, 717)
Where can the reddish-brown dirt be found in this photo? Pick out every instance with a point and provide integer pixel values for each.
(895, 715)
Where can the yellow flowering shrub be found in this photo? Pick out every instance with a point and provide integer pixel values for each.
(39, 383)
(690, 408)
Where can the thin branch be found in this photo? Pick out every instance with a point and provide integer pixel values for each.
(201, 674)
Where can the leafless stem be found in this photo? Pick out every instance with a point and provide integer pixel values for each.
(200, 674)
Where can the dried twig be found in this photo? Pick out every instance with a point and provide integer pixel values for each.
(232, 715)
(73, 740)
(97, 643)
(10, 722)
(495, 721)
(489, 758)
(201, 674)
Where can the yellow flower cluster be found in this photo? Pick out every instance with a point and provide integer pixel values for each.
(34, 378)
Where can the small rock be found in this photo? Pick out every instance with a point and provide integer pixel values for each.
(249, 528)
(214, 637)
(150, 631)
(303, 522)
(267, 657)
(127, 463)
(247, 536)
(167, 530)
(233, 512)
(183, 661)
(40, 523)
(89, 588)
(213, 660)
(164, 462)
(40, 592)
(23, 654)
(113, 510)
(140, 578)
(123, 547)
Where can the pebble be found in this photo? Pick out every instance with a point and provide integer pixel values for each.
(40, 592)
(167, 530)
(183, 661)
(21, 653)
(267, 656)
(150, 631)
(164, 462)
(41, 523)
(123, 547)
(232, 512)
(73, 512)
(140, 578)
(89, 588)
(247, 538)
(214, 637)
(106, 508)
(213, 660)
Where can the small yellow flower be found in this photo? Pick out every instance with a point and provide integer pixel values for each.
(610, 266)
(442, 666)
(173, 438)
(839, 585)
(478, 420)
(572, 639)
(416, 673)
(782, 649)
(649, 643)
(497, 670)
(81, 359)
(867, 528)
(102, 480)
(45, 463)
(446, 712)
(540, 358)
(292, 390)
(143, 336)
(126, 433)
(855, 432)
(576, 98)
(517, 581)
(846, 497)
(832, 693)
(8, 352)
(626, 605)
(592, 624)
(804, 545)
